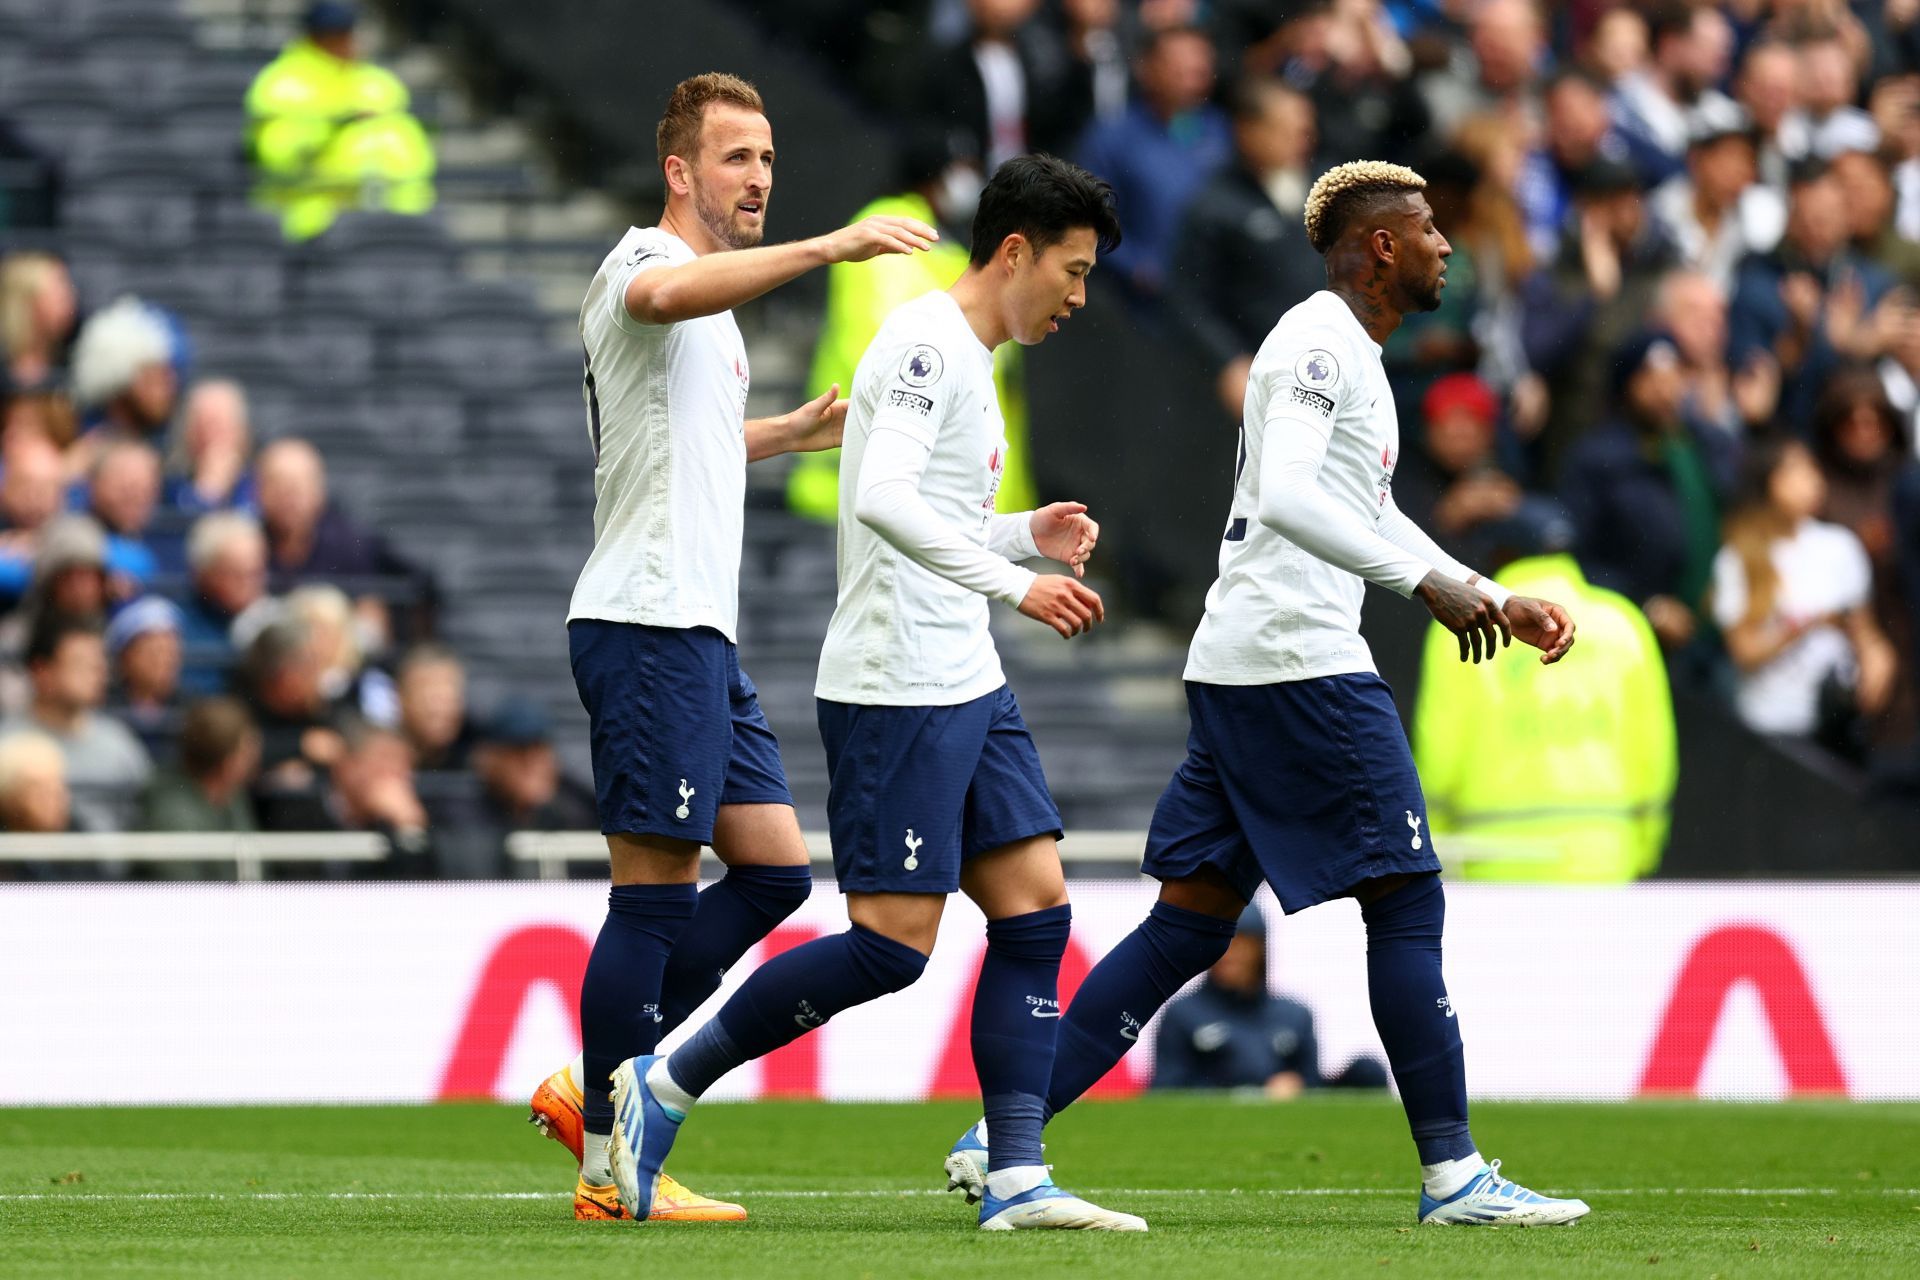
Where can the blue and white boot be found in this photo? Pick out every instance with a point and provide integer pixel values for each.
(1490, 1200)
(1048, 1208)
(643, 1134)
(966, 1164)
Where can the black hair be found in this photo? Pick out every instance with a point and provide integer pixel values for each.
(1042, 198)
(53, 631)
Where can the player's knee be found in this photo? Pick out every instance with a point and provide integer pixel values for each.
(1035, 935)
(1418, 909)
(1206, 892)
(886, 965)
(776, 891)
(1198, 938)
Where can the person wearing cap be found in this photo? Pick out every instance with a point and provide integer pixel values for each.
(521, 788)
(330, 132)
(1595, 295)
(1646, 490)
(1586, 792)
(1812, 302)
(143, 651)
(1233, 1032)
(125, 380)
(1716, 212)
(939, 183)
(1452, 483)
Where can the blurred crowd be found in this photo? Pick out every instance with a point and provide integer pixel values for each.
(194, 636)
(1681, 334)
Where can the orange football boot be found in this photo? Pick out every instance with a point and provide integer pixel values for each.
(555, 1111)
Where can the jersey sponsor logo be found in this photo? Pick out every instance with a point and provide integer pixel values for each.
(1313, 400)
(1041, 1007)
(922, 367)
(898, 399)
(1388, 461)
(1317, 369)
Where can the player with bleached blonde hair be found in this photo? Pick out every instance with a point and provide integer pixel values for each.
(1298, 773)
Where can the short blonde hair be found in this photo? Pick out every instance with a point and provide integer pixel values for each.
(1345, 188)
(22, 276)
(679, 131)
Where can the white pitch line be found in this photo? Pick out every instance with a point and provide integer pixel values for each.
(894, 1194)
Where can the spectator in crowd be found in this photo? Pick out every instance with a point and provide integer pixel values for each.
(280, 677)
(227, 556)
(32, 490)
(1352, 66)
(330, 131)
(1617, 45)
(1241, 258)
(106, 767)
(369, 787)
(1866, 186)
(34, 799)
(143, 646)
(1692, 309)
(1498, 71)
(1452, 485)
(1004, 86)
(123, 494)
(1716, 213)
(1161, 152)
(47, 414)
(1100, 76)
(432, 683)
(1588, 791)
(1826, 122)
(1792, 595)
(1896, 113)
(1591, 300)
(1812, 302)
(38, 309)
(123, 374)
(307, 536)
(521, 789)
(1899, 368)
(1232, 1032)
(1646, 491)
(1768, 89)
(208, 790)
(210, 469)
(347, 680)
(1575, 133)
(1691, 47)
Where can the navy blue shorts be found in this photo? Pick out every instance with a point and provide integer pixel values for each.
(1308, 785)
(677, 728)
(916, 791)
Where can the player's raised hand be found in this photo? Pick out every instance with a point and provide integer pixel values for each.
(882, 233)
(1063, 604)
(1065, 532)
(1467, 612)
(1542, 624)
(818, 424)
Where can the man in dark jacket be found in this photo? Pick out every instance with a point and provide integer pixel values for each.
(1242, 258)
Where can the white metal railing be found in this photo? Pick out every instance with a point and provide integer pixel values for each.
(248, 851)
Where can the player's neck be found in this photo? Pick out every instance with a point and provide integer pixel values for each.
(1365, 287)
(976, 299)
(683, 222)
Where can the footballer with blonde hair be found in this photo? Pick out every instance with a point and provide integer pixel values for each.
(1298, 773)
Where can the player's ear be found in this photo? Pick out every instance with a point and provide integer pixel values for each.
(1015, 248)
(679, 175)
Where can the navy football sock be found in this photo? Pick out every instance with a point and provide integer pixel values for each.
(1166, 951)
(1016, 1018)
(735, 912)
(1414, 1016)
(620, 995)
(789, 996)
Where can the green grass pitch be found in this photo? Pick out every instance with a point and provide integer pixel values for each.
(1317, 1188)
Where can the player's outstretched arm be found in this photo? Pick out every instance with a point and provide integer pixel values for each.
(1541, 623)
(818, 424)
(717, 282)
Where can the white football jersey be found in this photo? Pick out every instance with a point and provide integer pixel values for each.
(901, 634)
(666, 412)
(1278, 612)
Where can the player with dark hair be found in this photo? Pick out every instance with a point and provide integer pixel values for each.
(936, 785)
(682, 755)
(1297, 769)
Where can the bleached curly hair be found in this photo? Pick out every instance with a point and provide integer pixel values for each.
(1344, 189)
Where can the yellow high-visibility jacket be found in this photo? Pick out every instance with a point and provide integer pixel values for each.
(859, 297)
(1563, 773)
